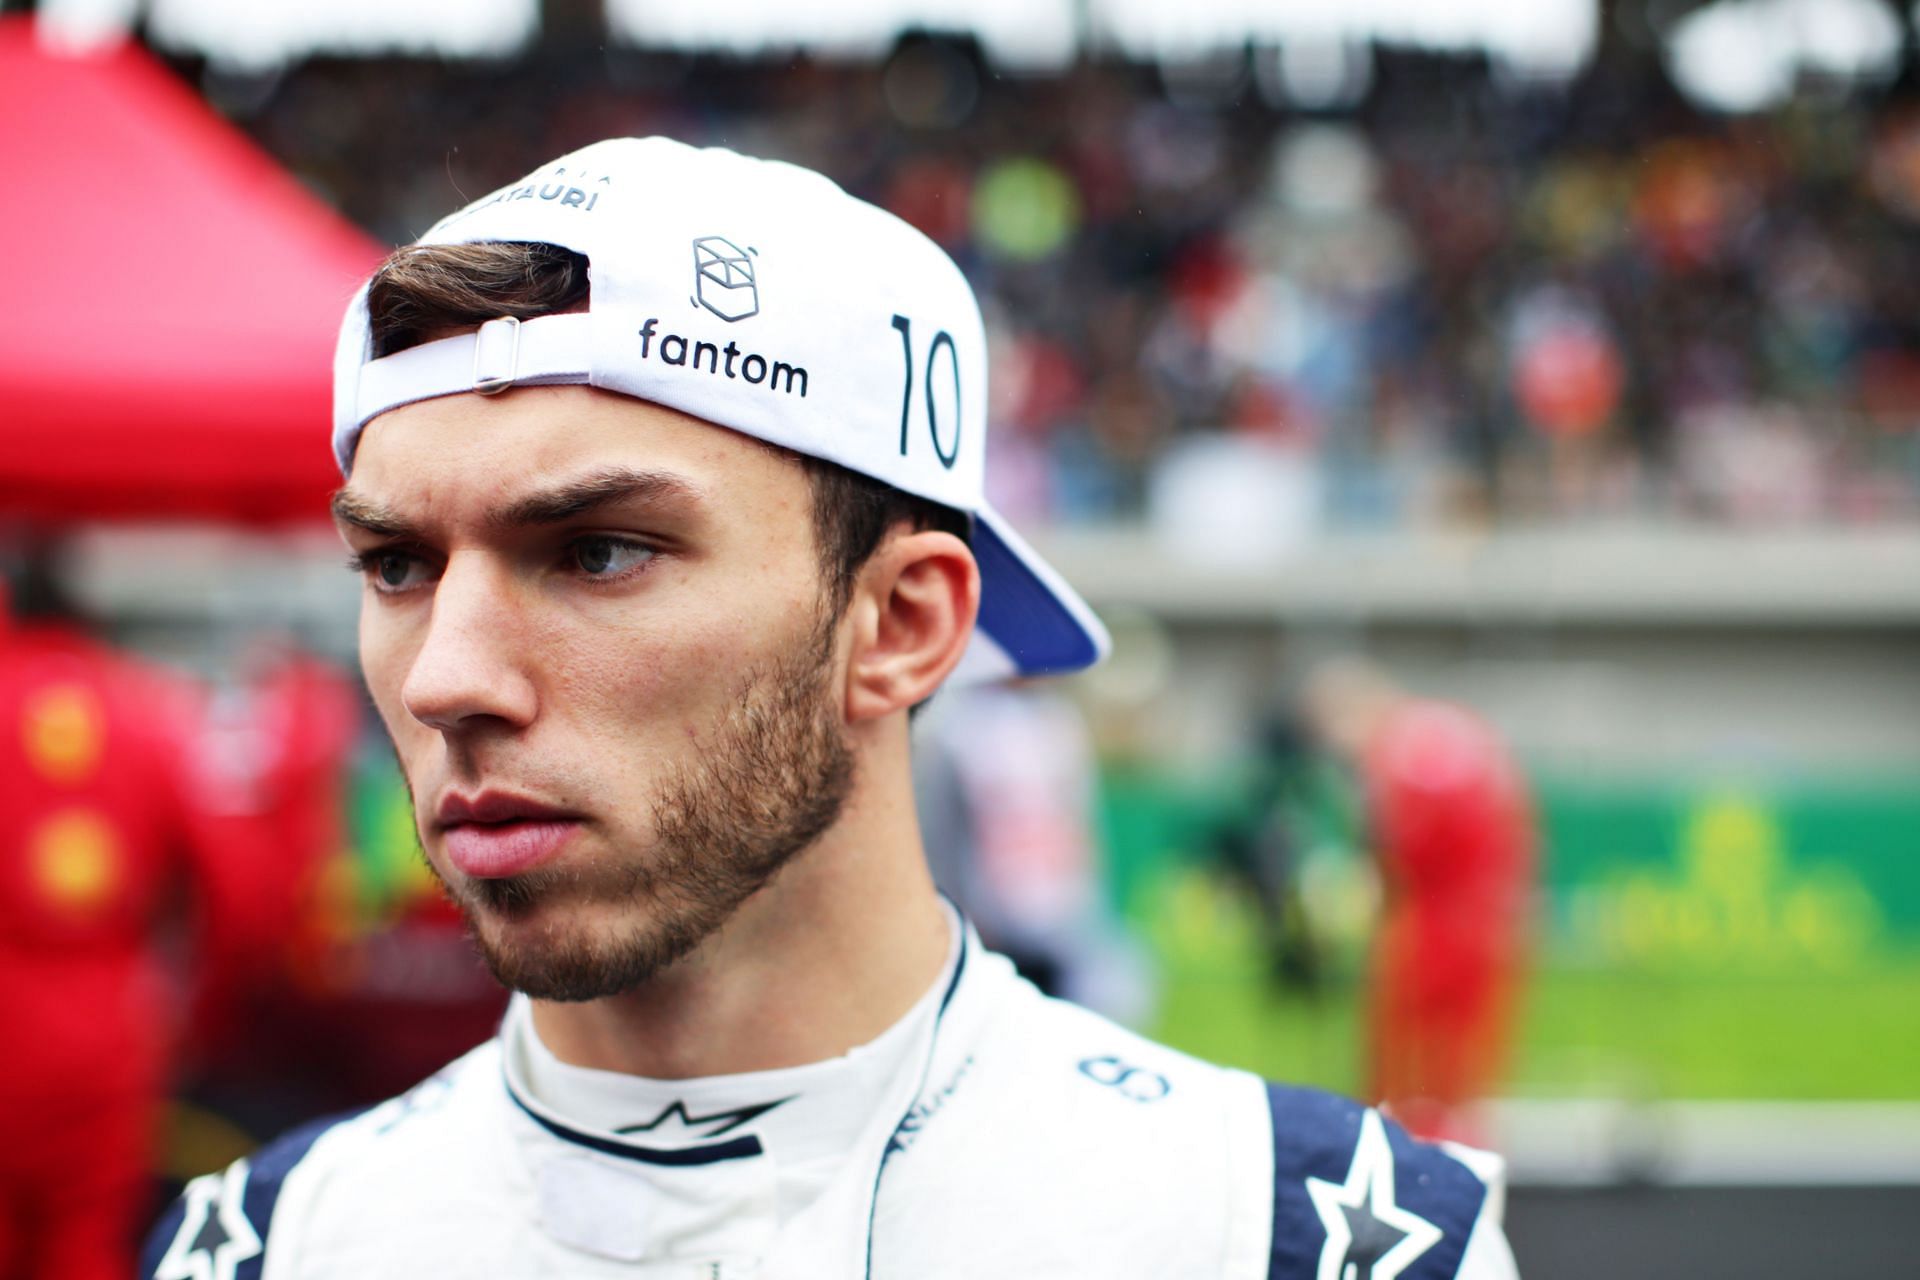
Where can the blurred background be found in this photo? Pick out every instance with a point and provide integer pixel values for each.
(1491, 431)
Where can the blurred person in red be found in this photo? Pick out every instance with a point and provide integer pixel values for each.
(270, 763)
(1451, 825)
(98, 828)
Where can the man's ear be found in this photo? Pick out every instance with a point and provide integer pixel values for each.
(913, 609)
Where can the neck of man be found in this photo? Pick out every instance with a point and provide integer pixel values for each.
(842, 943)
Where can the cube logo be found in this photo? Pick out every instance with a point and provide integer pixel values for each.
(723, 279)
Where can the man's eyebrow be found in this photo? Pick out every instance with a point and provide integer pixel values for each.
(601, 488)
(551, 506)
(371, 516)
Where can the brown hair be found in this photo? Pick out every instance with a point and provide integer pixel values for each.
(423, 291)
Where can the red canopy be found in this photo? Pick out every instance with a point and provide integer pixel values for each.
(171, 298)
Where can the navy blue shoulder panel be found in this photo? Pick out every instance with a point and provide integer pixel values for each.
(1352, 1185)
(229, 1233)
(161, 1236)
(267, 1173)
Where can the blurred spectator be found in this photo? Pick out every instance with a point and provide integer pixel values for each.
(99, 825)
(1005, 783)
(1451, 827)
(159, 849)
(1260, 848)
(269, 761)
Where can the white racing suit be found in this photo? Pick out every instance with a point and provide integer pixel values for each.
(994, 1133)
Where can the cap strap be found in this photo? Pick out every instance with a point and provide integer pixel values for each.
(545, 351)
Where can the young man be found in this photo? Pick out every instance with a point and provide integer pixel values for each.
(664, 473)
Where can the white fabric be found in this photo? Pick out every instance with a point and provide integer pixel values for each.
(1038, 1142)
(833, 290)
(550, 351)
(814, 1118)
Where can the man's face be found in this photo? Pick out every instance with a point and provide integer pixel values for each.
(595, 630)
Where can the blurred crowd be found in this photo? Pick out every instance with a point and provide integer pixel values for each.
(1459, 298)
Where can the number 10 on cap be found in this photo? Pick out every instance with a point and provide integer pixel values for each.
(942, 341)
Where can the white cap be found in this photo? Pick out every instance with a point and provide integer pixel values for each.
(760, 296)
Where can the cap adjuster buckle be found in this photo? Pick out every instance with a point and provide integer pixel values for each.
(496, 355)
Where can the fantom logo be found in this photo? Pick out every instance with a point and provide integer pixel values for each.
(723, 279)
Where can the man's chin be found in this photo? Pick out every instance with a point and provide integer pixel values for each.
(510, 899)
(546, 951)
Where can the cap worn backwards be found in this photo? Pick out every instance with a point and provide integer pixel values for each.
(759, 296)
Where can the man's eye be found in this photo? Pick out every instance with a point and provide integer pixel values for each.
(604, 557)
(390, 570)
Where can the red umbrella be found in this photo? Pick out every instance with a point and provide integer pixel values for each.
(167, 324)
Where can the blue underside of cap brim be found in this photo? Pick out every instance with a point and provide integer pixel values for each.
(1039, 631)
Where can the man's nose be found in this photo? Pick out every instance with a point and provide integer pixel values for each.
(469, 668)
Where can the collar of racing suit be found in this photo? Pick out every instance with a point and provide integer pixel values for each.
(747, 1174)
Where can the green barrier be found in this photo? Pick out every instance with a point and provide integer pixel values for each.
(1701, 873)
(1747, 877)
(1698, 937)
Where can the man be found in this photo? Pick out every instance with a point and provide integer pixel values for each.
(100, 827)
(1452, 828)
(664, 473)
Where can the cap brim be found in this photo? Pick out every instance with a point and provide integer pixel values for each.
(1037, 623)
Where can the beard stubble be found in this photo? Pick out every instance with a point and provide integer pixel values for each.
(775, 776)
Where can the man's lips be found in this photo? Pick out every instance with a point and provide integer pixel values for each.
(495, 806)
(487, 851)
(495, 834)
